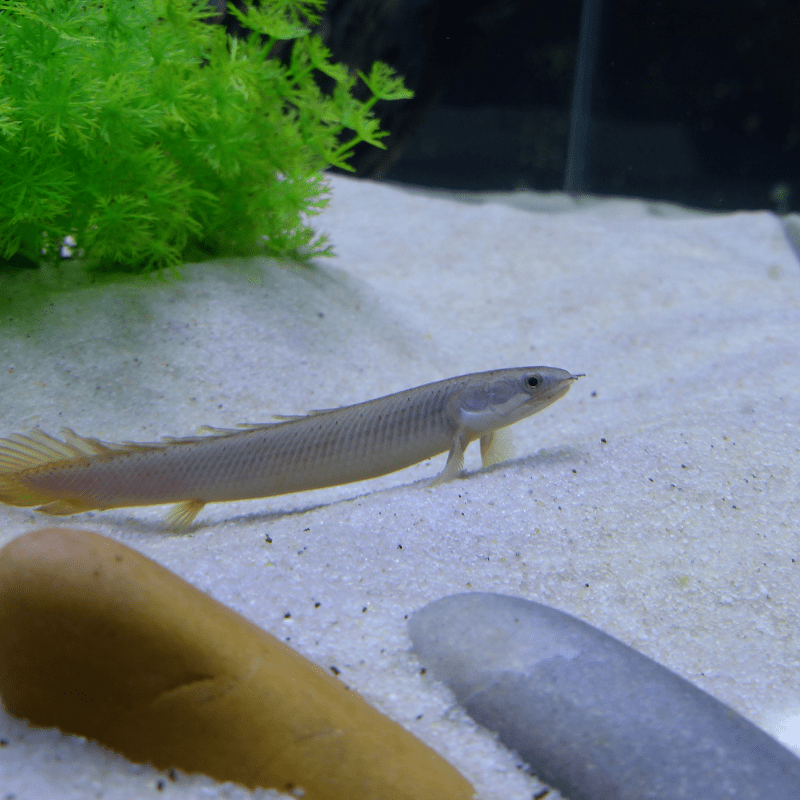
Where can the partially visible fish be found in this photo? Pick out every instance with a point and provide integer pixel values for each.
(295, 454)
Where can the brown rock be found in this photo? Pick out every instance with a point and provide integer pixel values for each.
(99, 640)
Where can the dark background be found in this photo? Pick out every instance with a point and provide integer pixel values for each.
(693, 102)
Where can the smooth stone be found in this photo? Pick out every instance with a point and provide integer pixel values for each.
(590, 715)
(98, 640)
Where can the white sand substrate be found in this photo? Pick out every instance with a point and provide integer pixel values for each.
(658, 500)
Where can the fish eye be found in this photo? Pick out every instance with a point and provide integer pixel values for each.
(533, 381)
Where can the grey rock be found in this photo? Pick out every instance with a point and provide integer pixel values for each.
(591, 716)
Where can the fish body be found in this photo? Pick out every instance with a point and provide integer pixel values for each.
(295, 454)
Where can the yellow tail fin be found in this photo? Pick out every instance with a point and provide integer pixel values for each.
(15, 493)
(28, 454)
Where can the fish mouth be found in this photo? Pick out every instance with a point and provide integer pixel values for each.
(566, 383)
(557, 390)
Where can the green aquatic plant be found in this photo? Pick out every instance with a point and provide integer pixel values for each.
(150, 137)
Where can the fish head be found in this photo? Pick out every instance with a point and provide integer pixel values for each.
(502, 397)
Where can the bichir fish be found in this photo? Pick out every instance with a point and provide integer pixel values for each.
(294, 454)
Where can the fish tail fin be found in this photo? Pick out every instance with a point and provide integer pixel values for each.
(63, 508)
(15, 492)
(23, 456)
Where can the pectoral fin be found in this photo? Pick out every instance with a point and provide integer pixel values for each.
(496, 447)
(455, 460)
